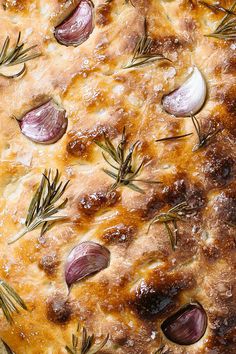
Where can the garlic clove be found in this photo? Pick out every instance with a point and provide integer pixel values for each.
(187, 326)
(85, 259)
(13, 71)
(77, 27)
(189, 98)
(45, 124)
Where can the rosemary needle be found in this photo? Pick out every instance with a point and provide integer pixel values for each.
(123, 171)
(160, 349)
(169, 219)
(203, 137)
(7, 348)
(142, 53)
(42, 209)
(87, 343)
(227, 28)
(10, 301)
(217, 7)
(177, 137)
(15, 56)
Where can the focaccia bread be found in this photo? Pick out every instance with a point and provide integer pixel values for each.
(144, 262)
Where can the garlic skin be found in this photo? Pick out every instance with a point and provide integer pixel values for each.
(189, 98)
(187, 326)
(77, 27)
(45, 124)
(85, 259)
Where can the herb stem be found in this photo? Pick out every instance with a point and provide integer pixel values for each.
(42, 210)
(174, 137)
(20, 234)
(10, 301)
(124, 172)
(169, 220)
(227, 28)
(15, 56)
(143, 53)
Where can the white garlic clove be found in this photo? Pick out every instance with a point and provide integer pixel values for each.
(189, 98)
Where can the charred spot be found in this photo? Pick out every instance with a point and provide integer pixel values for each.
(225, 330)
(229, 100)
(91, 203)
(175, 193)
(189, 3)
(226, 110)
(150, 302)
(49, 263)
(218, 167)
(157, 300)
(119, 234)
(227, 66)
(15, 5)
(59, 310)
(121, 340)
(179, 191)
(80, 142)
(77, 147)
(225, 206)
(211, 253)
(154, 204)
(230, 67)
(103, 14)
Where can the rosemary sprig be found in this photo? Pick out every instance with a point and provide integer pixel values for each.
(42, 209)
(10, 301)
(203, 138)
(129, 1)
(231, 224)
(227, 28)
(124, 172)
(74, 342)
(142, 52)
(169, 219)
(87, 343)
(15, 56)
(7, 348)
(160, 349)
(217, 7)
(177, 137)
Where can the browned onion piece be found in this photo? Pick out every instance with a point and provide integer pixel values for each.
(85, 259)
(77, 27)
(45, 124)
(187, 326)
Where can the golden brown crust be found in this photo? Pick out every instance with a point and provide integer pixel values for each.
(126, 299)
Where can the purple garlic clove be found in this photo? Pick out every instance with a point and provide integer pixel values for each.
(187, 326)
(85, 259)
(77, 27)
(45, 124)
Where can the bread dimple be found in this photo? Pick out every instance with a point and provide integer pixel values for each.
(100, 96)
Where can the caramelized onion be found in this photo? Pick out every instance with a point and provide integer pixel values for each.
(45, 124)
(77, 27)
(189, 98)
(85, 259)
(187, 326)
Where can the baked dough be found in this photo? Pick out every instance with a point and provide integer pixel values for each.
(100, 96)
